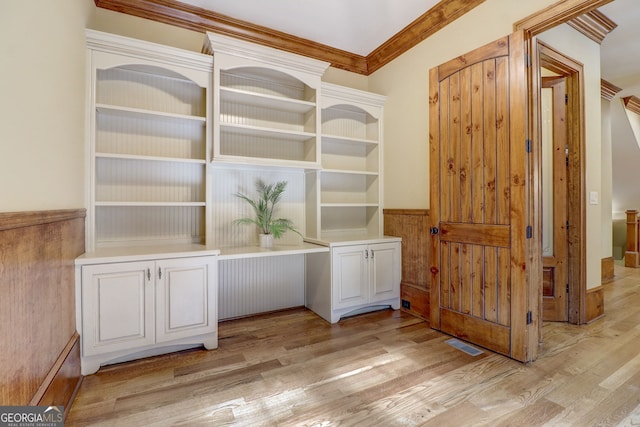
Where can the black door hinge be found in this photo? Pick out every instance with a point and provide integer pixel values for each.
(529, 317)
(529, 232)
(528, 145)
(566, 98)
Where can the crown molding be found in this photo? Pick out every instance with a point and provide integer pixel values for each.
(436, 18)
(556, 14)
(608, 90)
(593, 24)
(193, 18)
(632, 103)
(202, 20)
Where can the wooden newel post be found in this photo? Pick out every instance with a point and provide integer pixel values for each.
(632, 255)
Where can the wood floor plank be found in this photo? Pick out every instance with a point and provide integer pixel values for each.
(385, 368)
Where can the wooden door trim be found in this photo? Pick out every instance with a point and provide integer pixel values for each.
(556, 14)
(434, 185)
(573, 71)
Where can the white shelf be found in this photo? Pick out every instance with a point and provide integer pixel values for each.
(240, 96)
(348, 140)
(264, 162)
(138, 253)
(258, 131)
(349, 205)
(349, 172)
(140, 113)
(149, 158)
(152, 204)
(243, 252)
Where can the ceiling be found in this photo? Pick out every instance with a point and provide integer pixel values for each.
(361, 26)
(358, 35)
(356, 26)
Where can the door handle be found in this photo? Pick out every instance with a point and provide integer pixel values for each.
(148, 273)
(159, 273)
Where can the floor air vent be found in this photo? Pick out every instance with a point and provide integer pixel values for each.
(472, 351)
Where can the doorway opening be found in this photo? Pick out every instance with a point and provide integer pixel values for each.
(563, 252)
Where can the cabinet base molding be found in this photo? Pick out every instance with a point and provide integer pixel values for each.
(63, 380)
(595, 303)
(91, 364)
(336, 315)
(418, 299)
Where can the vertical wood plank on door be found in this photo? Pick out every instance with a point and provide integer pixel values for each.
(466, 167)
(445, 156)
(477, 161)
(490, 161)
(466, 288)
(490, 284)
(478, 282)
(504, 286)
(445, 274)
(454, 145)
(502, 143)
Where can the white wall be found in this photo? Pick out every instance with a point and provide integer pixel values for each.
(42, 105)
(405, 81)
(606, 201)
(586, 51)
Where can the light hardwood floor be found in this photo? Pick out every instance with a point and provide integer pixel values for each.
(379, 369)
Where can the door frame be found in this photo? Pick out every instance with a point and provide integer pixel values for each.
(573, 71)
(534, 24)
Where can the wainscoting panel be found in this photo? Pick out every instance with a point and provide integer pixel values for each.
(37, 319)
(413, 226)
(258, 285)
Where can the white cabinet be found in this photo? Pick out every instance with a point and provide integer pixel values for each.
(363, 276)
(147, 143)
(138, 308)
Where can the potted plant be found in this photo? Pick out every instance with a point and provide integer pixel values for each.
(263, 207)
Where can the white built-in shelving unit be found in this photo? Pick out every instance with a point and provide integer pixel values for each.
(266, 108)
(345, 194)
(172, 136)
(147, 283)
(149, 143)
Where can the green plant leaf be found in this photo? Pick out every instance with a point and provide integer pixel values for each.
(263, 208)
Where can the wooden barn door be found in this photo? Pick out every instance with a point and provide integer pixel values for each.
(480, 199)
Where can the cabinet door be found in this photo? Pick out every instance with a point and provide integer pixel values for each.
(117, 307)
(384, 271)
(350, 287)
(186, 297)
